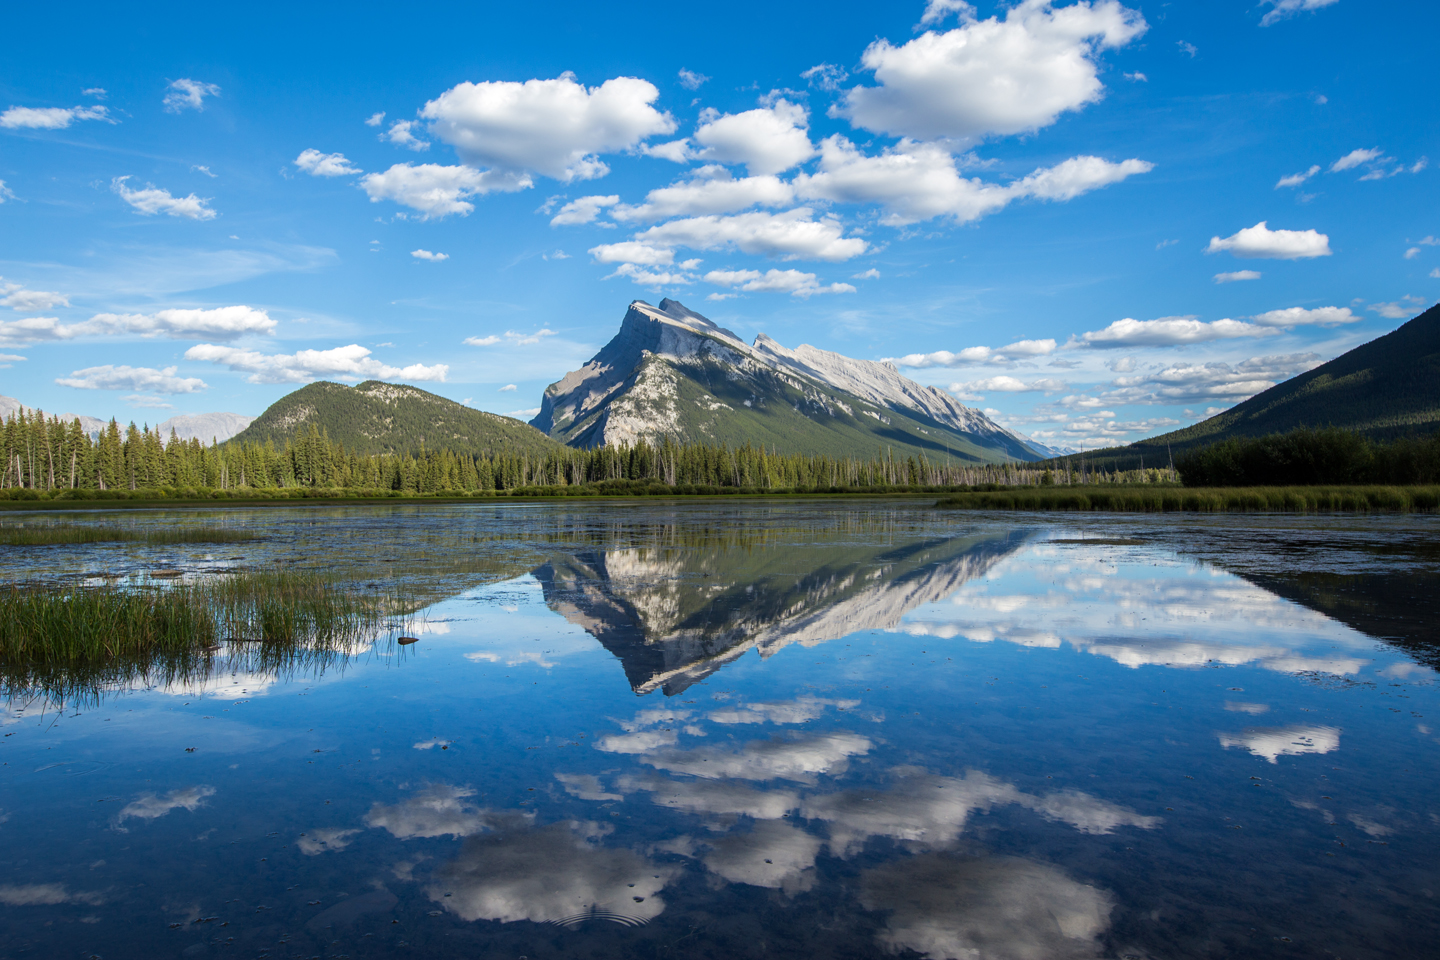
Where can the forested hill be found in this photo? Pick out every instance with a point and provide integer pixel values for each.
(1387, 388)
(376, 417)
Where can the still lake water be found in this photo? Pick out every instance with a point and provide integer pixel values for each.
(767, 729)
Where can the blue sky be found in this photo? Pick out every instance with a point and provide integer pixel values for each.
(1095, 220)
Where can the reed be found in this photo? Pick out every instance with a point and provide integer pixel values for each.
(52, 534)
(1157, 499)
(64, 626)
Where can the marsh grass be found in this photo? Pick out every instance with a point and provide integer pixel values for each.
(51, 534)
(1156, 499)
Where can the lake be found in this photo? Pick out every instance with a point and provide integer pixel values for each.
(784, 728)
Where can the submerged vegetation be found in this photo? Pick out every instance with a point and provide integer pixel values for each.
(1306, 457)
(1135, 499)
(52, 534)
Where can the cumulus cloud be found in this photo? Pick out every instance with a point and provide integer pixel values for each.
(44, 895)
(800, 759)
(975, 356)
(1299, 316)
(871, 274)
(440, 810)
(788, 235)
(189, 94)
(315, 842)
(940, 905)
(438, 191)
(1169, 332)
(17, 297)
(226, 323)
(586, 786)
(691, 80)
(1401, 309)
(633, 252)
(1356, 158)
(652, 277)
(401, 134)
(990, 76)
(919, 181)
(352, 362)
(1209, 382)
(1260, 242)
(319, 164)
(1272, 743)
(799, 710)
(429, 255)
(715, 797)
(772, 854)
(938, 10)
(375, 119)
(514, 337)
(50, 118)
(152, 200)
(1235, 276)
(826, 76)
(583, 210)
(792, 282)
(1295, 179)
(148, 806)
(554, 127)
(1003, 384)
(110, 377)
(711, 190)
(1281, 9)
(767, 140)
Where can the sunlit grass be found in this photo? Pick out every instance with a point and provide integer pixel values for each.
(50, 534)
(1156, 499)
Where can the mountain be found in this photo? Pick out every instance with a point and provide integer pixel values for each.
(1386, 388)
(9, 407)
(205, 427)
(378, 417)
(672, 372)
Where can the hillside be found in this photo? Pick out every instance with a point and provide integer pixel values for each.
(672, 372)
(1383, 389)
(377, 417)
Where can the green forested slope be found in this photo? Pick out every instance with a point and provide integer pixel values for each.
(1387, 388)
(376, 417)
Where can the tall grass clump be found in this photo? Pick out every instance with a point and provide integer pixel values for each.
(51, 534)
(1140, 499)
(80, 624)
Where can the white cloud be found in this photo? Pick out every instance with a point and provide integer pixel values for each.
(801, 759)
(153, 200)
(227, 323)
(400, 134)
(50, 118)
(1299, 316)
(676, 151)
(508, 388)
(1435, 272)
(44, 895)
(632, 251)
(17, 297)
(1356, 158)
(691, 80)
(150, 807)
(514, 337)
(918, 181)
(826, 76)
(554, 127)
(1189, 49)
(352, 362)
(1209, 382)
(1137, 77)
(767, 140)
(792, 282)
(1410, 254)
(975, 356)
(186, 93)
(429, 255)
(1237, 275)
(1004, 384)
(144, 402)
(991, 76)
(583, 210)
(315, 842)
(712, 190)
(5, 192)
(586, 786)
(1401, 309)
(1262, 243)
(1272, 743)
(527, 414)
(789, 235)
(437, 191)
(199, 168)
(1281, 9)
(375, 119)
(938, 10)
(319, 164)
(99, 93)
(652, 278)
(109, 377)
(1169, 332)
(772, 854)
(438, 811)
(1295, 179)
(871, 274)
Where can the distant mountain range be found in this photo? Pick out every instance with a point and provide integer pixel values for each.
(204, 427)
(671, 372)
(1386, 388)
(377, 417)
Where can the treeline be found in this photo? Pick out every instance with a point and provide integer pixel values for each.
(47, 455)
(1309, 457)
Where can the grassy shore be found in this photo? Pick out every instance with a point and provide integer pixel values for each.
(1156, 499)
(54, 534)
